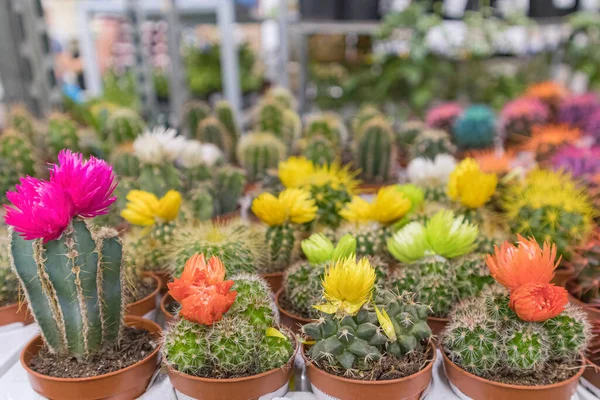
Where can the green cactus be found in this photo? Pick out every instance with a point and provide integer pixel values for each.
(302, 286)
(431, 142)
(374, 150)
(475, 128)
(254, 300)
(327, 125)
(369, 238)
(224, 113)
(62, 134)
(211, 130)
(125, 163)
(22, 121)
(194, 112)
(283, 123)
(200, 203)
(364, 115)
(9, 284)
(76, 296)
(568, 333)
(228, 187)
(319, 150)
(282, 96)
(281, 245)
(472, 275)
(186, 347)
(9, 177)
(273, 352)
(525, 347)
(159, 178)
(330, 202)
(123, 125)
(408, 132)
(258, 152)
(16, 151)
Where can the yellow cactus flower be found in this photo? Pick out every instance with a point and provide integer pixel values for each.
(294, 171)
(145, 209)
(358, 210)
(299, 172)
(390, 205)
(347, 286)
(470, 186)
(269, 209)
(386, 324)
(300, 207)
(272, 332)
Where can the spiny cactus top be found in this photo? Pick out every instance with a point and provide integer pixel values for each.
(159, 145)
(389, 206)
(145, 209)
(443, 235)
(470, 186)
(43, 209)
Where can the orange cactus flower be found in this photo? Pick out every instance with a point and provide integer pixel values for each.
(549, 92)
(545, 138)
(514, 266)
(538, 302)
(202, 291)
(493, 161)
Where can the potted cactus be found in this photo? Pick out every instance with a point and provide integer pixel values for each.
(475, 128)
(142, 289)
(11, 309)
(285, 216)
(438, 263)
(226, 343)
(258, 152)
(146, 247)
(584, 287)
(73, 278)
(429, 143)
(367, 342)
(323, 138)
(521, 344)
(374, 151)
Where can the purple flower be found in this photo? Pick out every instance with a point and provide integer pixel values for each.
(575, 110)
(578, 161)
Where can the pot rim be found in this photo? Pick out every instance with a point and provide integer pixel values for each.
(289, 364)
(429, 366)
(270, 274)
(287, 313)
(154, 292)
(128, 319)
(163, 305)
(439, 319)
(507, 385)
(13, 305)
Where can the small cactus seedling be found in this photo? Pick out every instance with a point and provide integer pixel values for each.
(430, 143)
(521, 333)
(17, 153)
(475, 128)
(228, 328)
(123, 125)
(194, 112)
(62, 134)
(71, 272)
(374, 150)
(258, 152)
(284, 215)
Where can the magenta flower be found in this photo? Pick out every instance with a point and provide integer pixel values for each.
(90, 184)
(443, 116)
(580, 162)
(576, 110)
(41, 209)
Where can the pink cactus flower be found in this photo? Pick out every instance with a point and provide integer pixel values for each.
(443, 116)
(40, 209)
(90, 184)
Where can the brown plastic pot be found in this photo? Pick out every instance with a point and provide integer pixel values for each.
(164, 278)
(246, 388)
(148, 303)
(437, 326)
(592, 373)
(292, 321)
(478, 388)
(563, 274)
(370, 188)
(15, 313)
(593, 313)
(275, 280)
(124, 384)
(166, 299)
(407, 388)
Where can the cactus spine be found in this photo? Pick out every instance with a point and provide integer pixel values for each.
(73, 286)
(258, 152)
(374, 151)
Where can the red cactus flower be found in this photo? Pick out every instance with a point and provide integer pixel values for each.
(40, 209)
(90, 184)
(538, 301)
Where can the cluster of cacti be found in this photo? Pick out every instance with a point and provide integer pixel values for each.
(323, 137)
(475, 128)
(375, 150)
(62, 134)
(239, 340)
(550, 206)
(430, 143)
(282, 122)
(485, 336)
(443, 116)
(122, 126)
(258, 152)
(576, 109)
(518, 117)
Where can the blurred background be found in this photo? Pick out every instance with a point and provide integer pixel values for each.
(404, 56)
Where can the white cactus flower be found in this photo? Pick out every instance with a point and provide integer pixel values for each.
(422, 171)
(158, 145)
(195, 154)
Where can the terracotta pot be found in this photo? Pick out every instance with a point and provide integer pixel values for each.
(437, 326)
(593, 313)
(127, 383)
(164, 278)
(274, 280)
(144, 306)
(166, 299)
(477, 388)
(370, 188)
(407, 388)
(15, 313)
(592, 373)
(563, 274)
(246, 388)
(294, 322)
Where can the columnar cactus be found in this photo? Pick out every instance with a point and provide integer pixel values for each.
(374, 150)
(231, 332)
(319, 150)
(282, 96)
(71, 272)
(328, 125)
(224, 113)
(211, 130)
(430, 143)
(62, 134)
(194, 112)
(228, 186)
(364, 114)
(284, 123)
(258, 152)
(123, 125)
(518, 117)
(475, 128)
